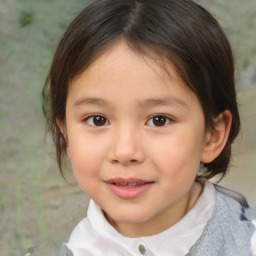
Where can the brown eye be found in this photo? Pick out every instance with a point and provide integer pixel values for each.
(97, 121)
(158, 121)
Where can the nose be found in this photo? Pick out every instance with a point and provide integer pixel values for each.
(126, 147)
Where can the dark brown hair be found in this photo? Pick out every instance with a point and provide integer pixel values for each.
(179, 31)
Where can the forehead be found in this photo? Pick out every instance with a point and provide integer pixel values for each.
(121, 69)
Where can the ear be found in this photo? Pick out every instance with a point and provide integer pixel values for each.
(216, 139)
(63, 131)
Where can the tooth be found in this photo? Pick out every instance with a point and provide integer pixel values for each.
(132, 184)
(124, 184)
(120, 184)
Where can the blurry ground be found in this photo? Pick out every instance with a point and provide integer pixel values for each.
(37, 208)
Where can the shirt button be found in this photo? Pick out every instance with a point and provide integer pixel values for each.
(142, 249)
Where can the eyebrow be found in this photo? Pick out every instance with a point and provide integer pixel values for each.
(90, 101)
(165, 101)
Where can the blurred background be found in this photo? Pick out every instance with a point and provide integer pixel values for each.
(38, 209)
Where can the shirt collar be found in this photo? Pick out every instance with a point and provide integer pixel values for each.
(178, 239)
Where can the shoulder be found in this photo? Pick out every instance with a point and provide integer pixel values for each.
(64, 251)
(230, 204)
(229, 230)
(85, 230)
(231, 196)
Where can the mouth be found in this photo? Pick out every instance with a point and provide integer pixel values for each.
(128, 188)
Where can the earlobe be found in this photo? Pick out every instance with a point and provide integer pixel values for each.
(64, 133)
(217, 138)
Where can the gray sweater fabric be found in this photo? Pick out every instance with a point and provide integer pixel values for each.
(228, 232)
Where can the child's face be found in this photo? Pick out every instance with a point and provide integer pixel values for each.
(135, 138)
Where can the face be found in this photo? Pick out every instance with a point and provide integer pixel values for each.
(135, 137)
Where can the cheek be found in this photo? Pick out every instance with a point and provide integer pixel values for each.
(86, 158)
(176, 150)
(84, 148)
(177, 157)
(178, 170)
(86, 168)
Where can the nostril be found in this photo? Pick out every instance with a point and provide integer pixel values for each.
(115, 161)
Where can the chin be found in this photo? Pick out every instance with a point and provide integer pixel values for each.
(127, 217)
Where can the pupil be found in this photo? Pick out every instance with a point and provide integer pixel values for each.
(159, 120)
(99, 120)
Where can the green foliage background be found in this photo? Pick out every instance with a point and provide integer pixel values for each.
(38, 209)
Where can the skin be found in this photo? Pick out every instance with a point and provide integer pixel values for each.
(127, 91)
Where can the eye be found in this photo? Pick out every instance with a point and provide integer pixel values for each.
(97, 120)
(159, 120)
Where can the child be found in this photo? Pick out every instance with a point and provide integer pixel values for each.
(141, 97)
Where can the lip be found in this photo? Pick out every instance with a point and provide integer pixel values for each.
(128, 188)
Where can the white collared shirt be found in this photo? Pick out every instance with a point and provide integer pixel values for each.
(94, 236)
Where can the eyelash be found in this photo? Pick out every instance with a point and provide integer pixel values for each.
(94, 116)
(164, 119)
(167, 120)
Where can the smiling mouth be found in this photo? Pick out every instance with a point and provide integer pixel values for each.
(128, 188)
(128, 183)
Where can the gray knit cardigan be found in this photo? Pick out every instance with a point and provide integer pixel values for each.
(228, 232)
